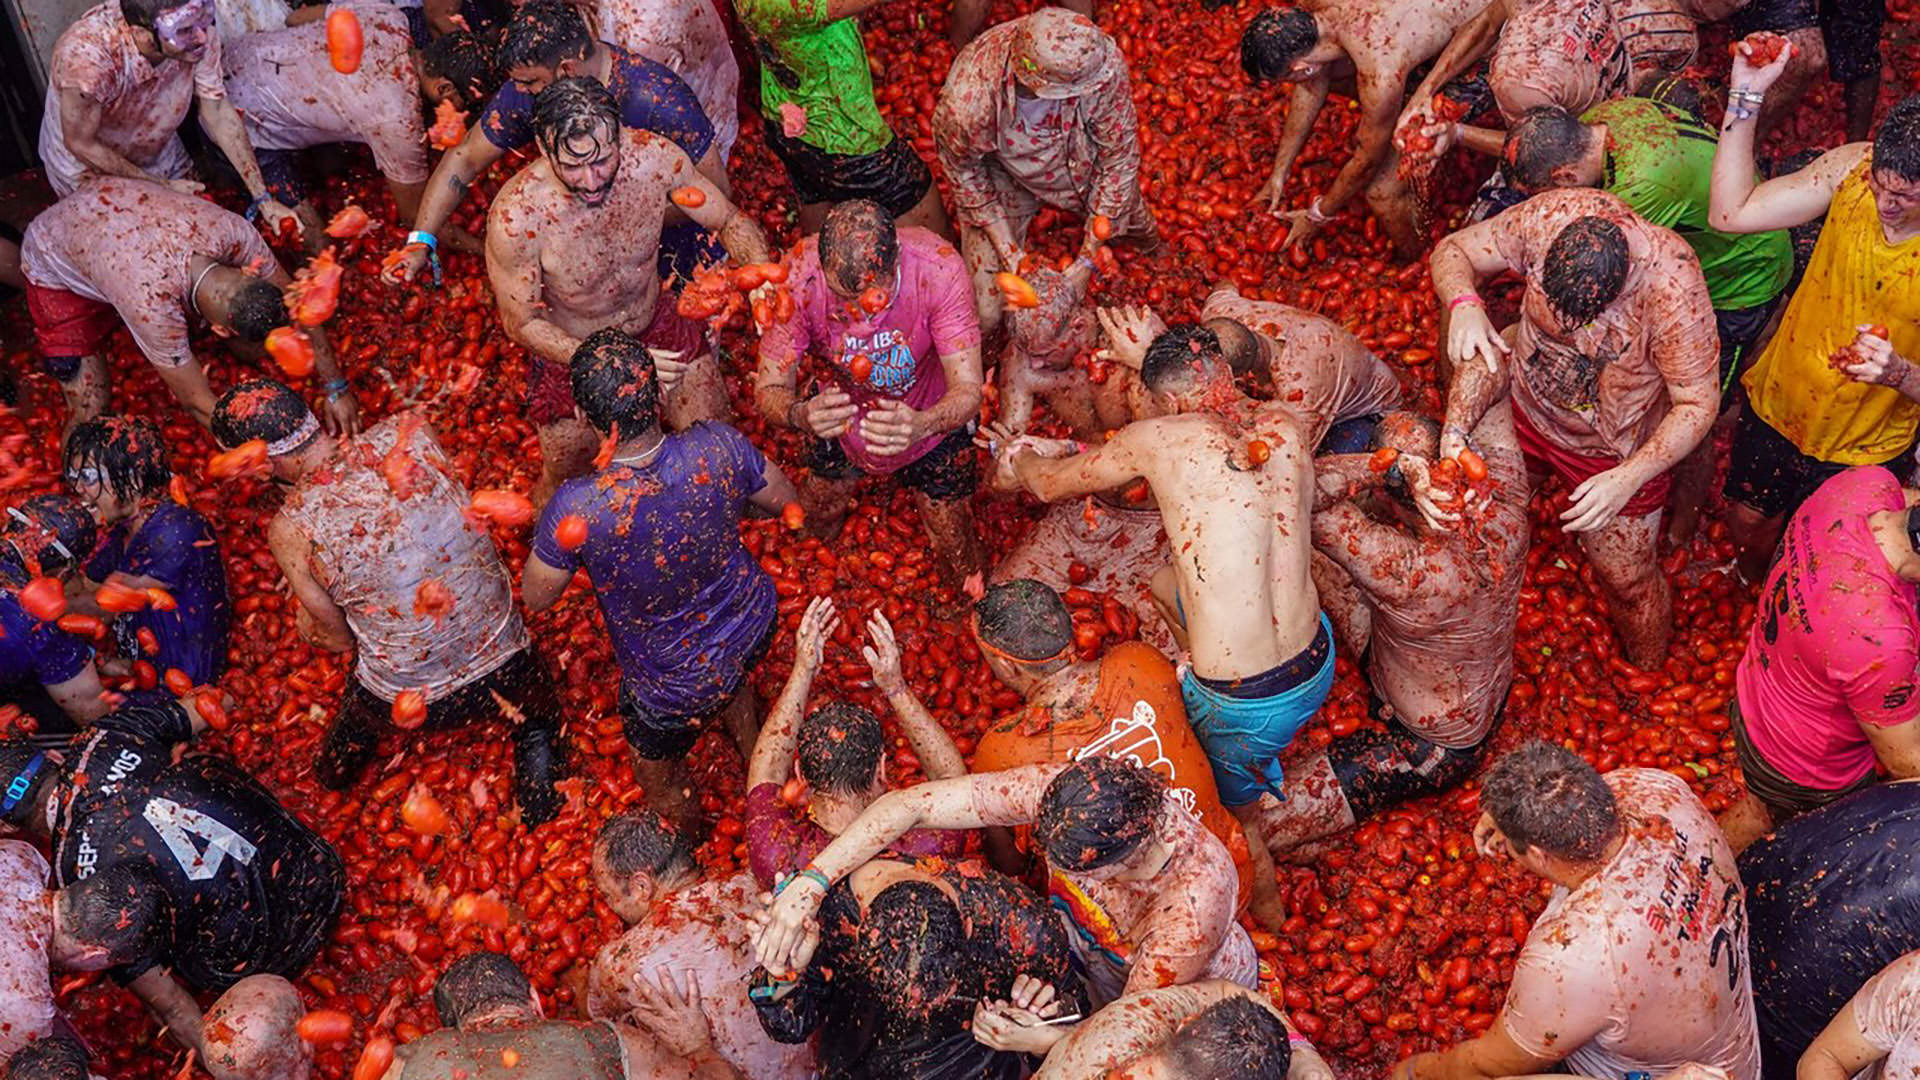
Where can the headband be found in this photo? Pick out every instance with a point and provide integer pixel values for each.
(53, 542)
(295, 439)
(22, 783)
(973, 623)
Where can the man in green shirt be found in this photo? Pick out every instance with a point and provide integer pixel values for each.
(816, 98)
(1659, 160)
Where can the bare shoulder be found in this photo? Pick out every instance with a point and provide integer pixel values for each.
(519, 203)
(1830, 168)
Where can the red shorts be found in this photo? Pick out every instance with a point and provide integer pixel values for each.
(68, 325)
(1576, 468)
(550, 387)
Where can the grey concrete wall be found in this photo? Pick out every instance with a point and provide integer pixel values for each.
(40, 23)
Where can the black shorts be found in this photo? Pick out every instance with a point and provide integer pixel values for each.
(893, 176)
(1783, 798)
(1739, 329)
(1767, 473)
(1852, 29)
(1381, 769)
(948, 471)
(668, 738)
(1779, 16)
(522, 682)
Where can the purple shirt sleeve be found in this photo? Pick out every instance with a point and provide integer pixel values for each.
(545, 547)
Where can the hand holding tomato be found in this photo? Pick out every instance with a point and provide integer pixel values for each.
(816, 626)
(404, 264)
(1271, 192)
(1871, 359)
(883, 656)
(1748, 75)
(890, 427)
(275, 217)
(1413, 469)
(828, 414)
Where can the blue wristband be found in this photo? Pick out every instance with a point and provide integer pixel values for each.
(826, 884)
(418, 236)
(335, 388)
(260, 200)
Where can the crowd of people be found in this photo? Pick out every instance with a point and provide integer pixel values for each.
(1073, 896)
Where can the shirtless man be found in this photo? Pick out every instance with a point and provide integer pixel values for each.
(1148, 893)
(1440, 599)
(570, 250)
(680, 928)
(132, 251)
(413, 588)
(1612, 370)
(494, 1029)
(1370, 47)
(1262, 656)
(1194, 1032)
(119, 83)
(1639, 963)
(1310, 363)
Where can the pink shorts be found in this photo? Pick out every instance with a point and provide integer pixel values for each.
(550, 387)
(1576, 468)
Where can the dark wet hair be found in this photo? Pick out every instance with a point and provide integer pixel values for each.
(145, 13)
(575, 107)
(469, 61)
(1274, 40)
(128, 453)
(614, 383)
(1545, 796)
(50, 518)
(839, 748)
(1678, 92)
(258, 309)
(1585, 267)
(1096, 812)
(1896, 149)
(1233, 1037)
(58, 1056)
(1545, 139)
(476, 982)
(1170, 360)
(259, 409)
(913, 946)
(121, 908)
(544, 34)
(1025, 619)
(859, 245)
(641, 842)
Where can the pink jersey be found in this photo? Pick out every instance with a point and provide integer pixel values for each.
(26, 923)
(1836, 639)
(373, 550)
(689, 37)
(932, 316)
(291, 98)
(1887, 1012)
(705, 929)
(1316, 365)
(142, 104)
(1177, 928)
(127, 243)
(1644, 966)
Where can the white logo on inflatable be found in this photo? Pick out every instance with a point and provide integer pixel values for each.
(1137, 739)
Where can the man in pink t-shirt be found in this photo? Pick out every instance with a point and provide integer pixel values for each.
(891, 314)
(1825, 692)
(120, 80)
(291, 98)
(131, 251)
(1639, 962)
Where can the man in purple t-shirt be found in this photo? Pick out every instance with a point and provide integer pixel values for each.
(1825, 691)
(657, 529)
(891, 312)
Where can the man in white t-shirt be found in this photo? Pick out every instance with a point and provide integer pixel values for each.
(27, 1010)
(1639, 963)
(1877, 1034)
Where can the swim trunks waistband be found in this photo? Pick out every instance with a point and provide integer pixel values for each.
(1281, 678)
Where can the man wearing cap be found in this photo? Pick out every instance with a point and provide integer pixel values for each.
(120, 80)
(1037, 111)
(135, 252)
(44, 670)
(179, 875)
(384, 558)
(1824, 695)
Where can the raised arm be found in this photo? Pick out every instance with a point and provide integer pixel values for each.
(931, 743)
(772, 758)
(718, 214)
(1116, 462)
(1736, 204)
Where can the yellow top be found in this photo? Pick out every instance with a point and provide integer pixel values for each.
(1856, 278)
